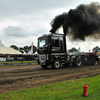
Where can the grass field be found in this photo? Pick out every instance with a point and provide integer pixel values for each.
(68, 90)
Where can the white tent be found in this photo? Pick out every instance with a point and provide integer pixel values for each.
(6, 50)
(1, 44)
(36, 53)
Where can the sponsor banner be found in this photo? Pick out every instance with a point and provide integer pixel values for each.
(10, 58)
(19, 58)
(2, 59)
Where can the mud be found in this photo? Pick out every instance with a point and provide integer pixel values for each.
(13, 78)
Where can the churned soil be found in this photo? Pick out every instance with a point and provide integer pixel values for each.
(13, 78)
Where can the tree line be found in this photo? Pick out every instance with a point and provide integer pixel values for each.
(25, 49)
(95, 49)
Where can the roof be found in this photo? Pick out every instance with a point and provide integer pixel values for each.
(51, 34)
(5, 50)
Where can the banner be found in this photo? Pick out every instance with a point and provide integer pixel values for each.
(10, 58)
(2, 59)
(19, 58)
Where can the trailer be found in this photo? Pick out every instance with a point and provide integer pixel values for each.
(52, 51)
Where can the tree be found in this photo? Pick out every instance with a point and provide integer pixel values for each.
(73, 49)
(34, 48)
(21, 50)
(96, 49)
(14, 47)
(25, 48)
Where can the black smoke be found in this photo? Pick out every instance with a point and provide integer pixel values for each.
(84, 21)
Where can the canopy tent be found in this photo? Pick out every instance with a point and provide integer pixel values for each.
(6, 50)
(1, 44)
(36, 53)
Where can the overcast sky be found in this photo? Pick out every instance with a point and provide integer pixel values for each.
(23, 21)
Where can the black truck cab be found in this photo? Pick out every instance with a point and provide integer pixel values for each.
(52, 51)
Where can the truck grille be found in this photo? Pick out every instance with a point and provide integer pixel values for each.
(42, 59)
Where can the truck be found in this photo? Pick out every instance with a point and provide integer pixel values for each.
(52, 51)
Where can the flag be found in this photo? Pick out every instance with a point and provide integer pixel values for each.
(78, 49)
(31, 51)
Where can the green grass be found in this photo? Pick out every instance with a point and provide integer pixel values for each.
(69, 90)
(18, 61)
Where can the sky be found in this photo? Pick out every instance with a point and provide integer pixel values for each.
(23, 21)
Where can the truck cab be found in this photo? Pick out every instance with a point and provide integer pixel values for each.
(52, 51)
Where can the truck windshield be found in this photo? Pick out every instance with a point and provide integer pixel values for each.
(43, 42)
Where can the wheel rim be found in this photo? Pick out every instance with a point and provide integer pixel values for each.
(57, 64)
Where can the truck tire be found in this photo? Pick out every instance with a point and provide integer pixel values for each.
(77, 62)
(44, 66)
(99, 61)
(56, 64)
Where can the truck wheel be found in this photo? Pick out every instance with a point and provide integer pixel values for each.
(77, 62)
(99, 61)
(56, 64)
(44, 66)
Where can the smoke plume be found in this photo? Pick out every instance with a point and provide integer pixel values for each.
(84, 21)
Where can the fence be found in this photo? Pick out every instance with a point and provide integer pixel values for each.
(14, 57)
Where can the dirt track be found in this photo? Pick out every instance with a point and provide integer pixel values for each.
(17, 77)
